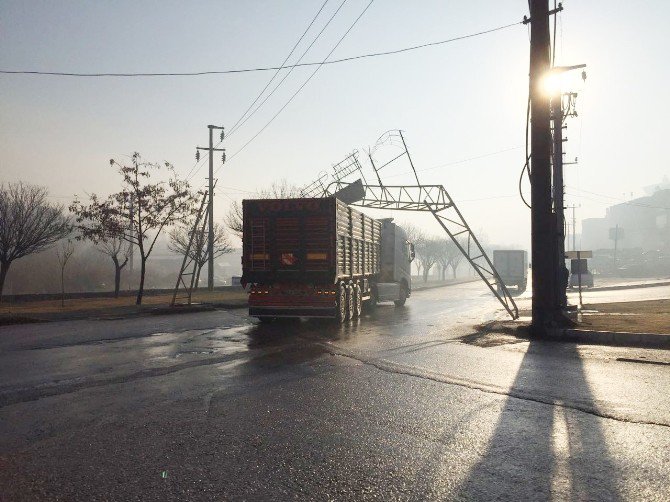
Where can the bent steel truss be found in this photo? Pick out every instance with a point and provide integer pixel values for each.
(425, 198)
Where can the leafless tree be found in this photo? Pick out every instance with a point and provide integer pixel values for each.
(155, 206)
(119, 251)
(416, 236)
(278, 190)
(455, 255)
(199, 252)
(443, 257)
(64, 252)
(28, 223)
(427, 250)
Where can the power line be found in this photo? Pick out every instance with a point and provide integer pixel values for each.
(258, 69)
(620, 201)
(281, 67)
(302, 86)
(196, 167)
(456, 162)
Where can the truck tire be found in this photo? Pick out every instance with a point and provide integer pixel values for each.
(342, 303)
(403, 296)
(371, 304)
(358, 301)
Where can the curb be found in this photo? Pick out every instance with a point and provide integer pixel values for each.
(435, 286)
(629, 286)
(612, 338)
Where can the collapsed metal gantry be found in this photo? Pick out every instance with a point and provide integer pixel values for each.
(423, 198)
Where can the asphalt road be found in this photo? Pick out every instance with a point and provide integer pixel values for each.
(405, 404)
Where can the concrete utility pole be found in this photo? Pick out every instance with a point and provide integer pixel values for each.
(210, 203)
(543, 222)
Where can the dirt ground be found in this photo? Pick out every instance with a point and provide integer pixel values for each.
(651, 316)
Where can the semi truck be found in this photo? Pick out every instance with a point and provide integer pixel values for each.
(319, 257)
(512, 267)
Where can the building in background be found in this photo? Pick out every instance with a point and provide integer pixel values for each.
(634, 237)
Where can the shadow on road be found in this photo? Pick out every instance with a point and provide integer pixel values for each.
(542, 451)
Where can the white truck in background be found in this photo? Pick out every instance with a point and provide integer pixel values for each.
(512, 267)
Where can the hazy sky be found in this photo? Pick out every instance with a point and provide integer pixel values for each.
(455, 102)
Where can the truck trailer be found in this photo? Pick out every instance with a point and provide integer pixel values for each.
(319, 257)
(512, 267)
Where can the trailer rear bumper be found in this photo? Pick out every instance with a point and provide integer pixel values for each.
(298, 311)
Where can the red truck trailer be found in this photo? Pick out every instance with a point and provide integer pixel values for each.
(320, 258)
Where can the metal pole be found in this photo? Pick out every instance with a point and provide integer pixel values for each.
(210, 210)
(579, 276)
(574, 228)
(557, 118)
(545, 304)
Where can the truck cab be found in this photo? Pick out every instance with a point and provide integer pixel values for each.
(395, 278)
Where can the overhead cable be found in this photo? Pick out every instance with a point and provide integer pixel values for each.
(268, 68)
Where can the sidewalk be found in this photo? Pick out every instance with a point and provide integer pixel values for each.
(614, 283)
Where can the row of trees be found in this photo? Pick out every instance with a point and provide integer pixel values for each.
(136, 216)
(133, 218)
(434, 252)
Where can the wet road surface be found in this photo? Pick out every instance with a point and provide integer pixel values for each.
(397, 406)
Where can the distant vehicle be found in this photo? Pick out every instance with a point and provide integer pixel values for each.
(512, 267)
(577, 266)
(320, 258)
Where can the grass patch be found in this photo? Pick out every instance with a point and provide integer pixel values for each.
(100, 305)
(652, 316)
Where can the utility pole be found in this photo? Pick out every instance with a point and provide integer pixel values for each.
(210, 202)
(557, 119)
(573, 226)
(543, 222)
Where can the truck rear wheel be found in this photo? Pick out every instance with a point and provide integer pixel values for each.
(358, 301)
(402, 298)
(342, 303)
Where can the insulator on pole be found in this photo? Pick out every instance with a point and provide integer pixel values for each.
(223, 134)
(223, 157)
(197, 155)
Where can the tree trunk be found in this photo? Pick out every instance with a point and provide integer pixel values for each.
(425, 274)
(197, 277)
(140, 290)
(117, 276)
(453, 269)
(62, 287)
(4, 268)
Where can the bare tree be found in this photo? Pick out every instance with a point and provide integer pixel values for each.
(428, 251)
(154, 207)
(199, 251)
(28, 224)
(415, 235)
(443, 257)
(64, 252)
(119, 251)
(455, 256)
(278, 190)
